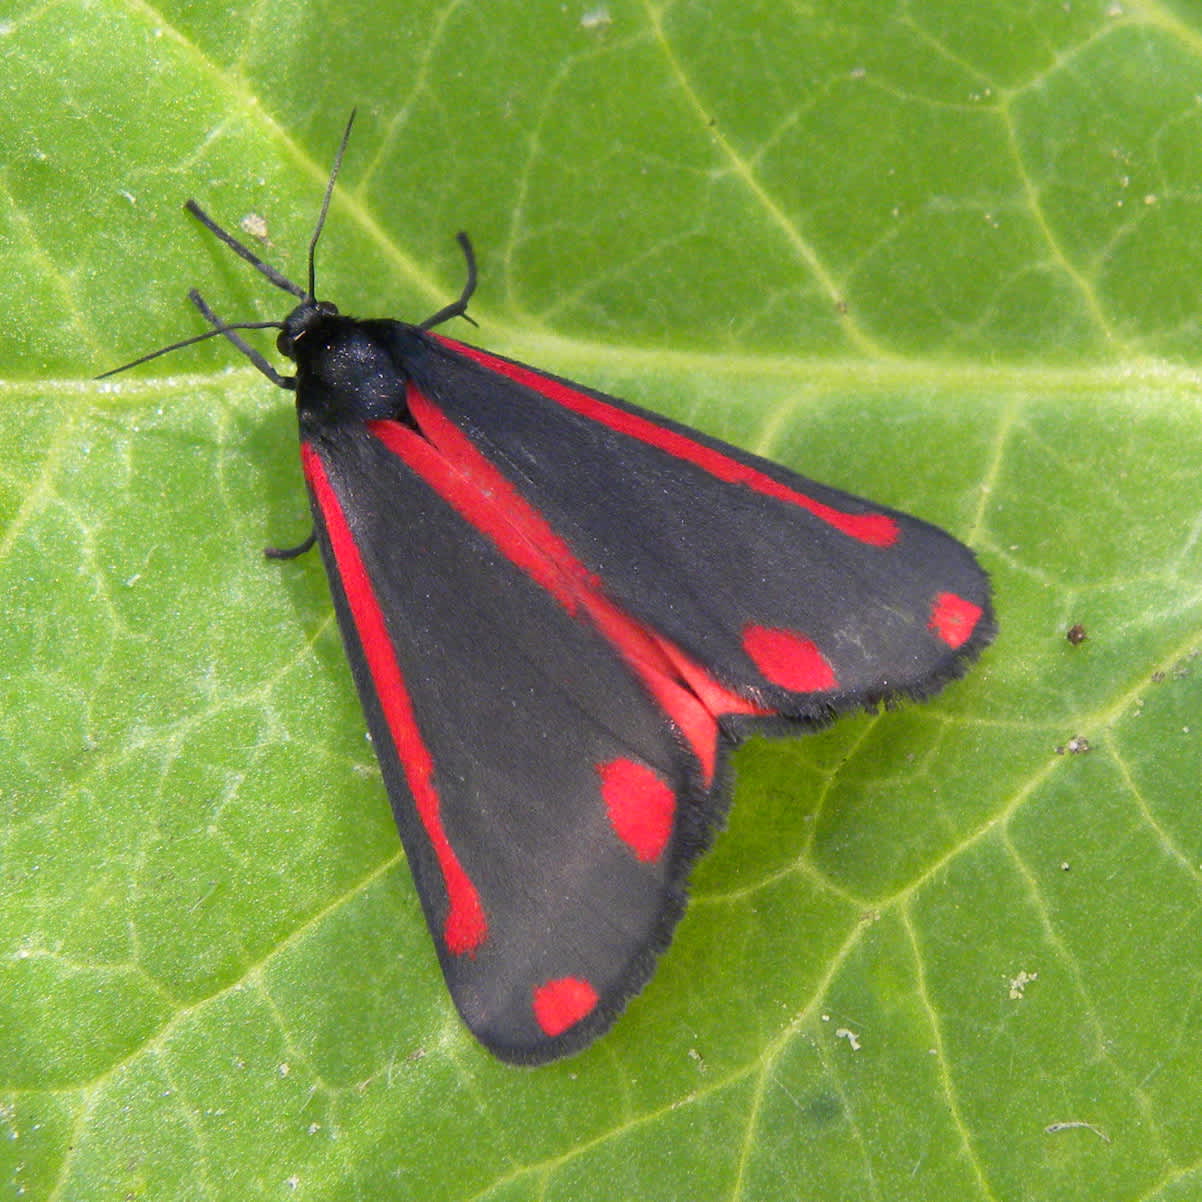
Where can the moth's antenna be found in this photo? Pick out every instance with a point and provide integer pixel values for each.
(175, 346)
(222, 327)
(277, 278)
(325, 205)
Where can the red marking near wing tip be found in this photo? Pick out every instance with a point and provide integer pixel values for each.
(562, 1003)
(466, 926)
(875, 529)
(789, 659)
(449, 462)
(641, 806)
(954, 619)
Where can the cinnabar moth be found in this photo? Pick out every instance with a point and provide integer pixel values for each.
(561, 612)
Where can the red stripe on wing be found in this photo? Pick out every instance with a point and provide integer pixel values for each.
(874, 529)
(466, 925)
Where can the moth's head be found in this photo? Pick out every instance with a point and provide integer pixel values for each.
(304, 320)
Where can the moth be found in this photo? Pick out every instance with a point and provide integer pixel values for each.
(561, 612)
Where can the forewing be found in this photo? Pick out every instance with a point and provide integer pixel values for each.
(800, 597)
(548, 806)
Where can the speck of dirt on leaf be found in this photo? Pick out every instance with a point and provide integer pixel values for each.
(1019, 984)
(1077, 745)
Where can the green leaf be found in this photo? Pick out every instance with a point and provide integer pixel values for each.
(943, 255)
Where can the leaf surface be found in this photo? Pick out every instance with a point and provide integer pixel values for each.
(941, 255)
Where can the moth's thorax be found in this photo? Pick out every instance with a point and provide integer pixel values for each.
(346, 370)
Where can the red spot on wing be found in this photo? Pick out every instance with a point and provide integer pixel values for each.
(954, 619)
(466, 926)
(789, 659)
(446, 459)
(562, 1003)
(875, 529)
(641, 806)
